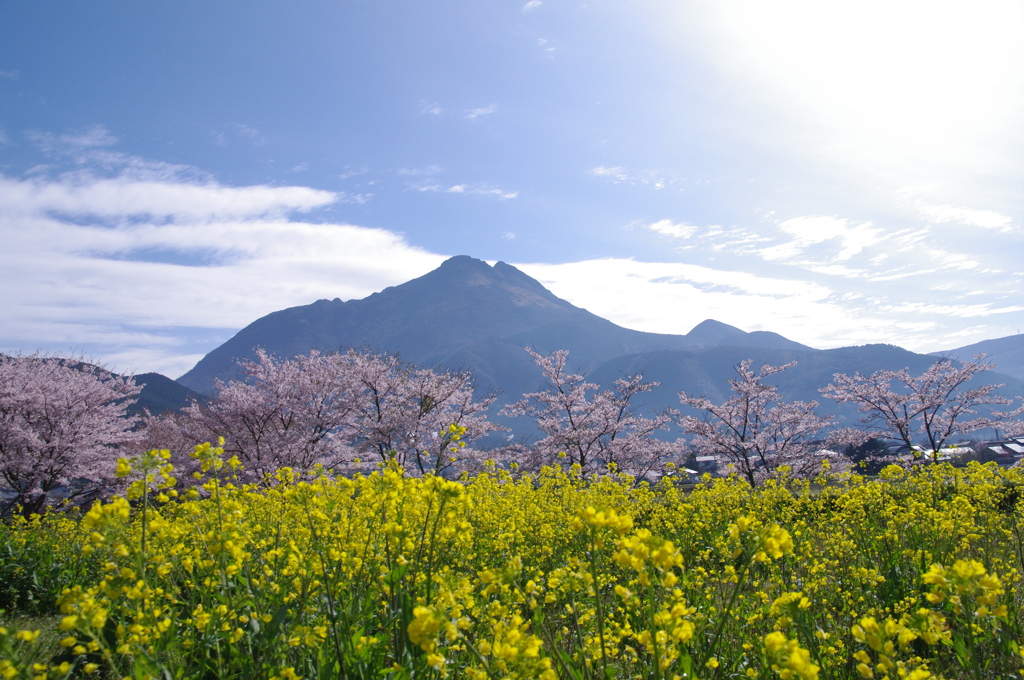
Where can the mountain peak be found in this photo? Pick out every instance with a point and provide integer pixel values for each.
(710, 331)
(466, 313)
(463, 263)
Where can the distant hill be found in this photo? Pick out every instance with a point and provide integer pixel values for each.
(160, 394)
(1007, 353)
(704, 372)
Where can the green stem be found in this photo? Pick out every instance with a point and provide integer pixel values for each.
(330, 594)
(145, 523)
(653, 631)
(725, 614)
(597, 601)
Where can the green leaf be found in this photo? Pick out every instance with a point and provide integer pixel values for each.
(960, 647)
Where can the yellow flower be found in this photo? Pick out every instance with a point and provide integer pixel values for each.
(788, 659)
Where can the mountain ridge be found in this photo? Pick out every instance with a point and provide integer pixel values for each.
(469, 315)
(464, 307)
(1006, 352)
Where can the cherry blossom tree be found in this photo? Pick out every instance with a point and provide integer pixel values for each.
(331, 409)
(176, 432)
(756, 432)
(284, 413)
(931, 408)
(598, 430)
(406, 414)
(1010, 423)
(60, 419)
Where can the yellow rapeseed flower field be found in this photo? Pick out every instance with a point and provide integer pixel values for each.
(917, 574)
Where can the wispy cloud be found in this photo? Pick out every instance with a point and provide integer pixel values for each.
(964, 311)
(428, 180)
(238, 132)
(430, 108)
(711, 238)
(673, 229)
(90, 153)
(127, 197)
(473, 114)
(92, 137)
(545, 44)
(615, 173)
(986, 219)
(429, 170)
(532, 5)
(466, 189)
(250, 133)
(353, 172)
(673, 297)
(9, 74)
(138, 267)
(620, 175)
(812, 230)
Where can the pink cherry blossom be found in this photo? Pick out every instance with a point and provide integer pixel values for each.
(756, 432)
(60, 419)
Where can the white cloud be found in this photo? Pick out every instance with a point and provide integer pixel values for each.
(430, 108)
(250, 133)
(156, 264)
(675, 230)
(532, 5)
(128, 197)
(673, 297)
(964, 311)
(837, 270)
(473, 114)
(619, 175)
(174, 256)
(352, 172)
(9, 75)
(986, 219)
(816, 229)
(91, 138)
(420, 172)
(669, 297)
(466, 189)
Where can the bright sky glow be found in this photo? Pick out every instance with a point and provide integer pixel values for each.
(840, 173)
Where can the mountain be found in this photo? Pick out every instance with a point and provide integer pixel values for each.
(704, 372)
(1006, 353)
(464, 314)
(160, 394)
(467, 314)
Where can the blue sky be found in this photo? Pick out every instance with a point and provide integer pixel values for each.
(841, 173)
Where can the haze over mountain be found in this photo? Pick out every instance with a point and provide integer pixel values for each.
(467, 314)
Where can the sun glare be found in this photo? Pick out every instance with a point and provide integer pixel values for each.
(888, 82)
